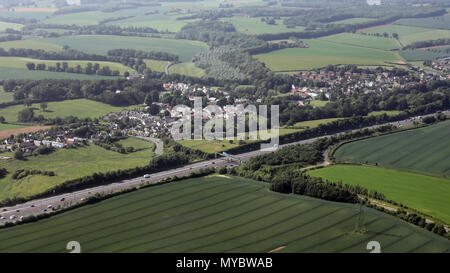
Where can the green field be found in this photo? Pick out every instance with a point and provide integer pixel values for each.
(422, 150)
(31, 44)
(322, 53)
(188, 69)
(389, 113)
(6, 126)
(252, 25)
(427, 194)
(441, 22)
(155, 65)
(19, 62)
(6, 96)
(5, 25)
(352, 21)
(100, 44)
(409, 34)
(70, 164)
(217, 214)
(82, 108)
(422, 55)
(314, 123)
(318, 103)
(362, 41)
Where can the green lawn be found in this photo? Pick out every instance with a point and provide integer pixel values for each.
(322, 53)
(217, 215)
(82, 108)
(70, 164)
(100, 44)
(424, 150)
(427, 194)
(410, 34)
(188, 69)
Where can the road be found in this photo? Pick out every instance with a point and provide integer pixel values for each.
(40, 206)
(166, 68)
(157, 141)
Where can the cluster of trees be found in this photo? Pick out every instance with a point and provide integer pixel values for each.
(134, 92)
(314, 187)
(100, 29)
(90, 69)
(3, 172)
(139, 54)
(10, 37)
(22, 173)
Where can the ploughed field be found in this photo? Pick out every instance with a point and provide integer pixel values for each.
(217, 214)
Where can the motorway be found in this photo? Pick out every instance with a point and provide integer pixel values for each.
(45, 205)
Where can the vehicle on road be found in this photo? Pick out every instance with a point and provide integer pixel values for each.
(12, 217)
(146, 176)
(62, 199)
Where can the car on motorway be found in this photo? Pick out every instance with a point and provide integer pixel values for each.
(12, 217)
(3, 218)
(17, 210)
(21, 218)
(33, 206)
(62, 199)
(146, 176)
(49, 206)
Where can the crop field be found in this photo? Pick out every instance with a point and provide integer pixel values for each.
(424, 54)
(322, 53)
(82, 108)
(188, 69)
(70, 164)
(31, 44)
(100, 44)
(409, 34)
(422, 150)
(428, 194)
(362, 41)
(19, 62)
(217, 214)
(250, 25)
(441, 22)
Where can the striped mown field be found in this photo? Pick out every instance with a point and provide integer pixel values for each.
(425, 150)
(217, 214)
